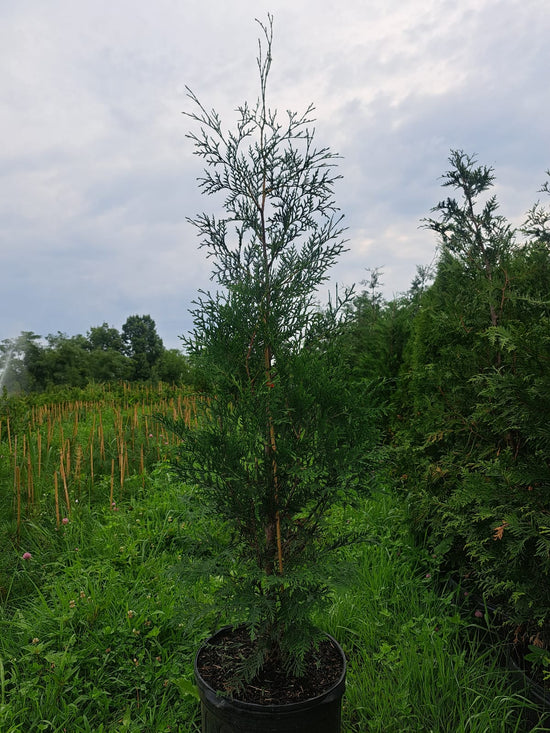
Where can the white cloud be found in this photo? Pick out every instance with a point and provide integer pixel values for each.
(97, 177)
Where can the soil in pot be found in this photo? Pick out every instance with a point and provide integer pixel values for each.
(216, 665)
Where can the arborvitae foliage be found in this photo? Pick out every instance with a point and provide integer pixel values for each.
(282, 436)
(537, 226)
(475, 442)
(380, 329)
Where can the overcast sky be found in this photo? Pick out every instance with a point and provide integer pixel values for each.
(97, 177)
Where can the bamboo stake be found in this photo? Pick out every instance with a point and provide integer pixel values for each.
(56, 494)
(64, 479)
(101, 438)
(112, 481)
(17, 486)
(273, 450)
(92, 461)
(39, 451)
(77, 466)
(91, 441)
(17, 480)
(121, 466)
(50, 431)
(68, 458)
(30, 485)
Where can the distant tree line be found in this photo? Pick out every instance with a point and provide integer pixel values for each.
(31, 363)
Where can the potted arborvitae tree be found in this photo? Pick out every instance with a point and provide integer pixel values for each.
(281, 436)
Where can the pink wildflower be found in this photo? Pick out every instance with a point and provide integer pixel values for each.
(478, 614)
(26, 556)
(65, 520)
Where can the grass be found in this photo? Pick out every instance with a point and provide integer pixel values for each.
(100, 635)
(95, 645)
(53, 454)
(417, 661)
(99, 628)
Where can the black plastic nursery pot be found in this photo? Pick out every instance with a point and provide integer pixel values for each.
(536, 692)
(319, 714)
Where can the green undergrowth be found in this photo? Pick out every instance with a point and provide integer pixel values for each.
(417, 661)
(94, 645)
(97, 633)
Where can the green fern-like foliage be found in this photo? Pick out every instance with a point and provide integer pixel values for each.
(476, 386)
(283, 436)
